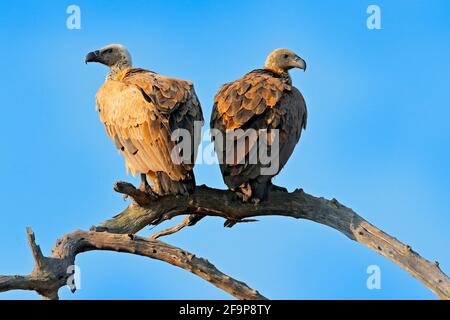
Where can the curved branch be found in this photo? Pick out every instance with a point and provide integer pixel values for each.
(52, 273)
(188, 221)
(298, 204)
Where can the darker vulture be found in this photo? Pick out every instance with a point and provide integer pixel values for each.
(140, 110)
(270, 111)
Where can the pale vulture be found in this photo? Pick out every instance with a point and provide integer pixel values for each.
(261, 99)
(140, 109)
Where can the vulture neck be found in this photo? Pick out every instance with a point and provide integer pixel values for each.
(115, 69)
(280, 72)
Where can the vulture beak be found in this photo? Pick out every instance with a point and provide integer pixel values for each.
(299, 63)
(93, 56)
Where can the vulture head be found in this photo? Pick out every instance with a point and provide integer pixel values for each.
(115, 56)
(282, 60)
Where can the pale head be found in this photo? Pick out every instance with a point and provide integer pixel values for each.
(282, 60)
(115, 56)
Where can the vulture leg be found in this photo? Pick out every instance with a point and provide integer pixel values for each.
(164, 185)
(144, 186)
(255, 190)
(259, 189)
(244, 192)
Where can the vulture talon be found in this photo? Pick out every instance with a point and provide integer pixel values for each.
(151, 193)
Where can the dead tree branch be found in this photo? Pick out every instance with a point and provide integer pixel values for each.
(213, 202)
(188, 221)
(52, 273)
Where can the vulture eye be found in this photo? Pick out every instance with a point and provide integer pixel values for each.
(286, 56)
(108, 51)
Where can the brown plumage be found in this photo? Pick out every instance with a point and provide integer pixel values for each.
(140, 110)
(263, 99)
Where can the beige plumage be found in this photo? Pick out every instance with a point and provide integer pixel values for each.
(140, 109)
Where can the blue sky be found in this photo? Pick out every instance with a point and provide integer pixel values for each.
(377, 140)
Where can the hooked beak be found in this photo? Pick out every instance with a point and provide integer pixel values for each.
(93, 56)
(299, 63)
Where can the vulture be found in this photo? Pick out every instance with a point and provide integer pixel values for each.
(261, 108)
(141, 111)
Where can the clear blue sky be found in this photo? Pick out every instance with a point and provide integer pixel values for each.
(378, 138)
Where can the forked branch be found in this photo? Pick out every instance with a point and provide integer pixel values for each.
(220, 203)
(50, 273)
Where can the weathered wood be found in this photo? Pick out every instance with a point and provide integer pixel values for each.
(52, 273)
(213, 202)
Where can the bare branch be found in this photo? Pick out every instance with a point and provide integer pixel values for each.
(140, 197)
(52, 272)
(298, 204)
(188, 221)
(35, 249)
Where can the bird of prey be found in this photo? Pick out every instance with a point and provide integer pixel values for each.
(140, 110)
(260, 101)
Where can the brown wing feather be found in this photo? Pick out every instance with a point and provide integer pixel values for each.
(140, 109)
(238, 102)
(274, 103)
(246, 94)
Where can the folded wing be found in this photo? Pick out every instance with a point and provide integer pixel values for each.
(261, 101)
(140, 110)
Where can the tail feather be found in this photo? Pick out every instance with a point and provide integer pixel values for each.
(164, 185)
